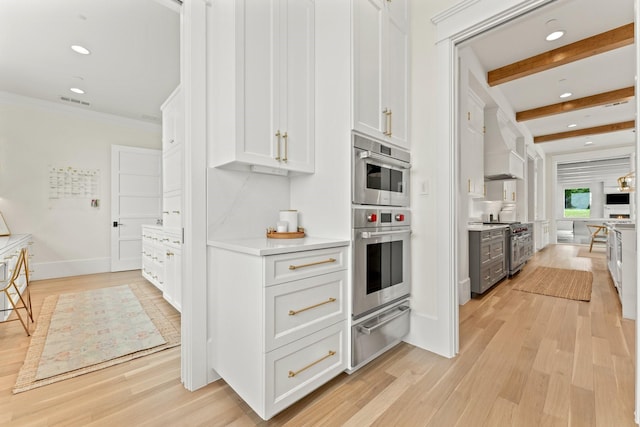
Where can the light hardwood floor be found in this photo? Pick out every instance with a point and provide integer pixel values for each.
(525, 360)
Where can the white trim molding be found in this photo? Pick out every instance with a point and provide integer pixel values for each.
(74, 267)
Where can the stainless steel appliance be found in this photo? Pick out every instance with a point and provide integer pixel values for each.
(520, 244)
(380, 173)
(381, 280)
(381, 256)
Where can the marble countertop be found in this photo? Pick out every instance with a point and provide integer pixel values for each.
(485, 227)
(262, 246)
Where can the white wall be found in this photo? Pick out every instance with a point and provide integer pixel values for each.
(70, 236)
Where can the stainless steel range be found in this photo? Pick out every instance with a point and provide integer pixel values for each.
(520, 244)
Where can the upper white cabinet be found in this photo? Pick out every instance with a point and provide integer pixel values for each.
(263, 84)
(472, 144)
(381, 69)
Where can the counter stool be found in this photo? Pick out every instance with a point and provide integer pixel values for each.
(19, 300)
(596, 235)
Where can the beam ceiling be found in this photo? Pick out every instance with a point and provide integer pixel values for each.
(612, 97)
(594, 45)
(613, 127)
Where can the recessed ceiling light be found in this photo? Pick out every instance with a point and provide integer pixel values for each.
(76, 90)
(565, 94)
(572, 125)
(554, 32)
(80, 49)
(588, 143)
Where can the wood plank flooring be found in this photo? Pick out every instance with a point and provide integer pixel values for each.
(525, 360)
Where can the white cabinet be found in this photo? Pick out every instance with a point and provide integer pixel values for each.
(381, 69)
(153, 255)
(279, 323)
(172, 291)
(264, 84)
(172, 160)
(541, 234)
(505, 191)
(472, 147)
(622, 263)
(10, 248)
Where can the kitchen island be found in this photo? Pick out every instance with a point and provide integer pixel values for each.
(621, 260)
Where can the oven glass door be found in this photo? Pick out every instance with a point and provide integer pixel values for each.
(380, 182)
(382, 272)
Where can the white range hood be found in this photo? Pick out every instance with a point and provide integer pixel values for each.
(501, 157)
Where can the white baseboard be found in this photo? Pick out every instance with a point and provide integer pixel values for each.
(464, 291)
(76, 267)
(427, 333)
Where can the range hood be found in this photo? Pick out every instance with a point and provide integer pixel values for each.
(502, 143)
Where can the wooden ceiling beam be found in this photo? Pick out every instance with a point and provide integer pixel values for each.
(613, 127)
(618, 95)
(594, 45)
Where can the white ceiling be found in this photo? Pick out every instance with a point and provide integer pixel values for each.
(524, 37)
(134, 60)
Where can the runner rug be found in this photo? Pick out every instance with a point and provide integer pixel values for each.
(558, 282)
(82, 332)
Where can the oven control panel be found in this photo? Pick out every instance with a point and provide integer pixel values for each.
(364, 217)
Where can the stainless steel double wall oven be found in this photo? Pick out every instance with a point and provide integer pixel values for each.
(382, 248)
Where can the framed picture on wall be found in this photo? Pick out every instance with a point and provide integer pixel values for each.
(4, 230)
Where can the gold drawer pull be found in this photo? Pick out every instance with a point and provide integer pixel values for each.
(293, 267)
(294, 312)
(293, 374)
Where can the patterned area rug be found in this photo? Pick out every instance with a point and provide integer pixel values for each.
(558, 282)
(83, 332)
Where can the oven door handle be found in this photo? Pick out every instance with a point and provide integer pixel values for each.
(402, 310)
(370, 234)
(384, 159)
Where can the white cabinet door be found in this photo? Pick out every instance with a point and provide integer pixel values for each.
(381, 69)
(297, 85)
(472, 155)
(172, 291)
(274, 112)
(368, 62)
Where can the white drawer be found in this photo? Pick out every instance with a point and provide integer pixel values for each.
(299, 308)
(297, 369)
(173, 240)
(172, 211)
(299, 265)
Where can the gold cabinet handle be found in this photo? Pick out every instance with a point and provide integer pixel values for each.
(169, 254)
(294, 312)
(293, 374)
(469, 185)
(390, 122)
(326, 261)
(513, 196)
(176, 212)
(387, 121)
(286, 147)
(278, 146)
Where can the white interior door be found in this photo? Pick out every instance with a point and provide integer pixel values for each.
(136, 199)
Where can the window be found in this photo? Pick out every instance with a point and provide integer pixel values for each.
(577, 203)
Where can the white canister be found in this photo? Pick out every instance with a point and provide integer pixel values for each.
(291, 216)
(282, 226)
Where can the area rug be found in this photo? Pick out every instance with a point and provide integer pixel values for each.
(82, 332)
(558, 282)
